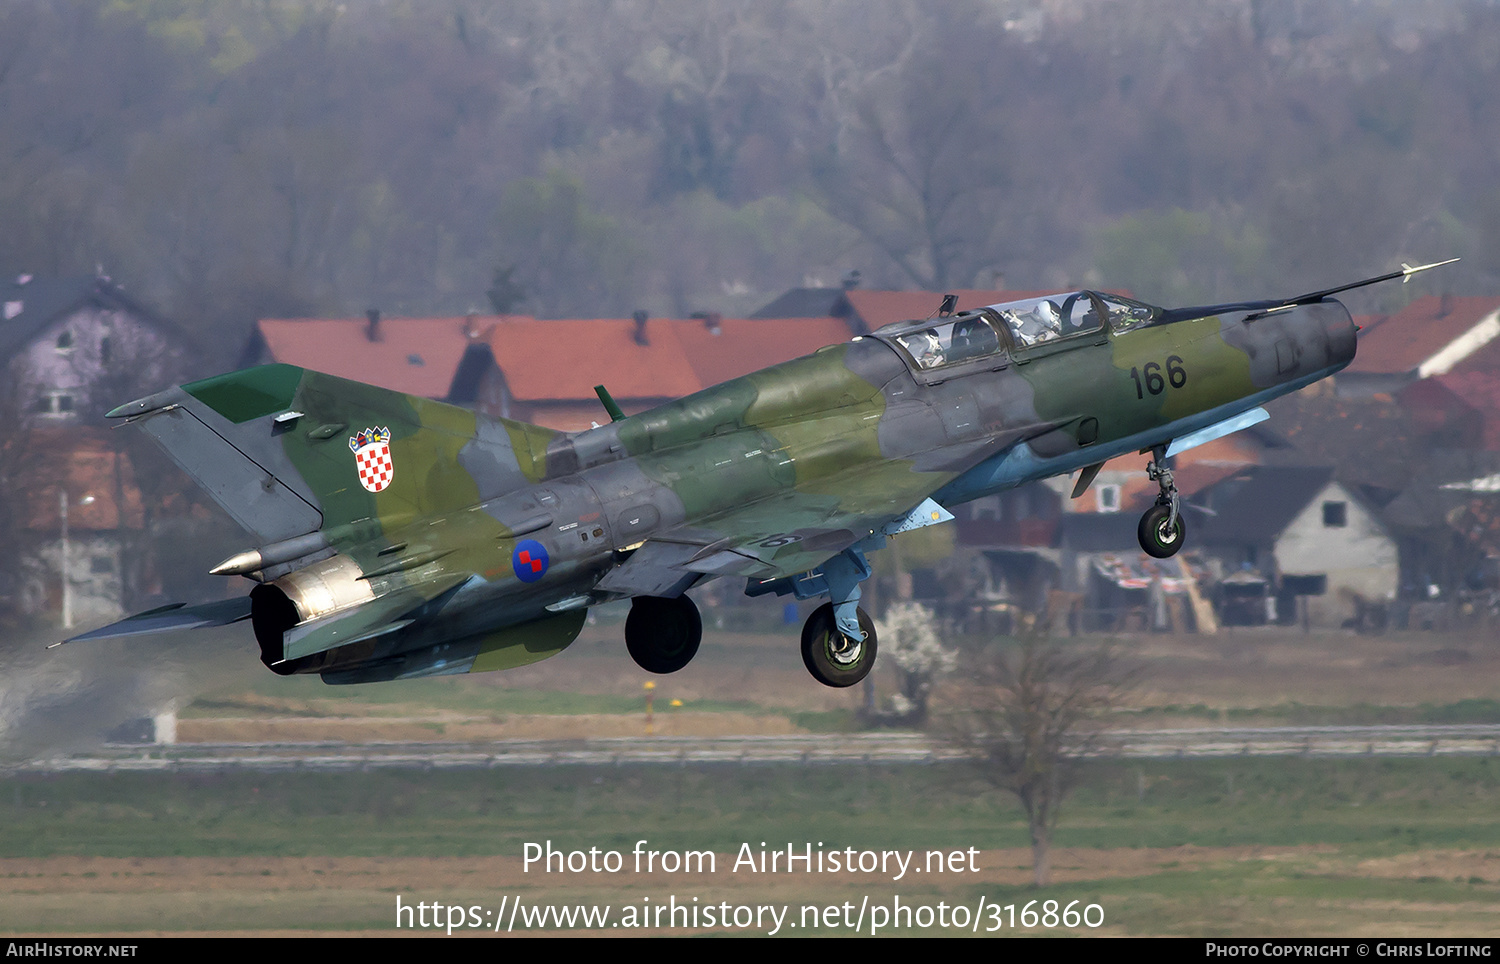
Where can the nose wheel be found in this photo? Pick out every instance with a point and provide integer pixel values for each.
(833, 658)
(662, 635)
(1162, 532)
(1160, 536)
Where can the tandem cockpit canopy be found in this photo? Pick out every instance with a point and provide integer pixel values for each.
(970, 336)
(1015, 326)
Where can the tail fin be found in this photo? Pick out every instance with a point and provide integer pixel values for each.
(288, 451)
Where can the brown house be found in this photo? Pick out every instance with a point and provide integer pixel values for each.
(71, 349)
(1431, 336)
(80, 468)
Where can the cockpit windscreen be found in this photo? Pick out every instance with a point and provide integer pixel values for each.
(963, 339)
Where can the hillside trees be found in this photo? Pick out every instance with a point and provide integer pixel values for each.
(234, 160)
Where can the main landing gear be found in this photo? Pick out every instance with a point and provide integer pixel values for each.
(833, 658)
(1162, 531)
(662, 635)
(838, 639)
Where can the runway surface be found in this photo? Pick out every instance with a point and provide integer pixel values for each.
(837, 749)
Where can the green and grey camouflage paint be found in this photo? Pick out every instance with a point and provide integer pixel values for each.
(491, 538)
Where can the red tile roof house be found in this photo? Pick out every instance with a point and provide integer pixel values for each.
(545, 371)
(416, 356)
(1431, 336)
(719, 349)
(1458, 410)
(540, 371)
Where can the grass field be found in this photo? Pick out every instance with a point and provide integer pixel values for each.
(1264, 846)
(1245, 677)
(1260, 846)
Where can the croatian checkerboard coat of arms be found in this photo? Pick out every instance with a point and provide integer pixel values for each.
(372, 456)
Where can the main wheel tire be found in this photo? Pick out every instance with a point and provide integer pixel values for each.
(832, 658)
(1157, 538)
(662, 635)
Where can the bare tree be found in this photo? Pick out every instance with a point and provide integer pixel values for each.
(915, 154)
(1031, 714)
(18, 478)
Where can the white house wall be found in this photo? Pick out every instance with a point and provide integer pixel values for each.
(94, 566)
(136, 355)
(1358, 557)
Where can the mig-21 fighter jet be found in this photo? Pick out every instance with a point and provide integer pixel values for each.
(397, 537)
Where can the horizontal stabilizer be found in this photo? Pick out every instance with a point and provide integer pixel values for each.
(170, 619)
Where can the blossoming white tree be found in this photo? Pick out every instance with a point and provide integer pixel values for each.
(909, 638)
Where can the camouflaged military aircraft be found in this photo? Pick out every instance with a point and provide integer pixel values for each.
(398, 537)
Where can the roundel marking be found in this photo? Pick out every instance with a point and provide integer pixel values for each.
(529, 560)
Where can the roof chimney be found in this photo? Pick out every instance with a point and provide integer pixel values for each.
(851, 280)
(712, 320)
(640, 327)
(471, 326)
(372, 325)
(1445, 305)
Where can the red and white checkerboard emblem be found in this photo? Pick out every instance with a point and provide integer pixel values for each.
(372, 457)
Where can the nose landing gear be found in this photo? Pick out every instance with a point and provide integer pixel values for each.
(1162, 532)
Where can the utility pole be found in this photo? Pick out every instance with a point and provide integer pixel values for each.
(67, 574)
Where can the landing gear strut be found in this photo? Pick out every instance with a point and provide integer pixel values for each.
(662, 635)
(1161, 532)
(833, 658)
(838, 639)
